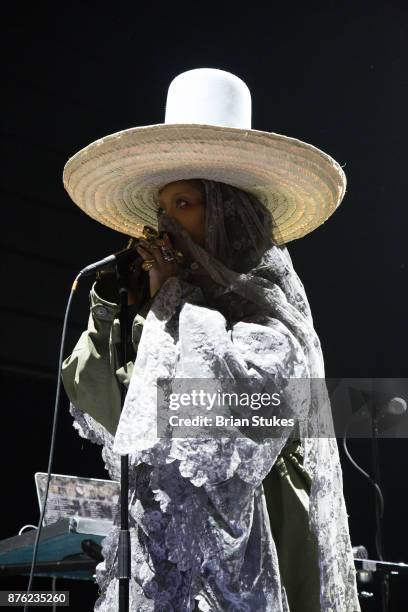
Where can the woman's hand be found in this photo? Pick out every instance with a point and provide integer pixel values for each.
(134, 283)
(161, 270)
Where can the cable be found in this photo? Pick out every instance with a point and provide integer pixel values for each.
(25, 527)
(380, 497)
(360, 469)
(53, 435)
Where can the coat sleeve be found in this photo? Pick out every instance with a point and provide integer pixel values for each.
(91, 374)
(251, 355)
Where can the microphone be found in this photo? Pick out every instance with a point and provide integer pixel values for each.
(122, 258)
(387, 412)
(378, 403)
(393, 407)
(396, 406)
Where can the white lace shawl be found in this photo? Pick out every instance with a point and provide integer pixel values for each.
(198, 511)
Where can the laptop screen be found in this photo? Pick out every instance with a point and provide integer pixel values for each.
(75, 496)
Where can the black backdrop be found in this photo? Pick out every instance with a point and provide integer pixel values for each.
(330, 73)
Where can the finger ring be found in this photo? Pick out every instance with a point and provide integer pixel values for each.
(167, 253)
(147, 264)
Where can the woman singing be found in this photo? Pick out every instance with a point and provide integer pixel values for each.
(238, 521)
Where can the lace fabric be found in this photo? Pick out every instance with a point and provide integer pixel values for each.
(200, 529)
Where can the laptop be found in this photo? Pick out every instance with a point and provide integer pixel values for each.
(74, 496)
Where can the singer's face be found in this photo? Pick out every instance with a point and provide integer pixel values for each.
(185, 200)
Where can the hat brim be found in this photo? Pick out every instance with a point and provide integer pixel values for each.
(116, 179)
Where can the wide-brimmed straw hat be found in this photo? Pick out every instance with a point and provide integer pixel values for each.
(206, 134)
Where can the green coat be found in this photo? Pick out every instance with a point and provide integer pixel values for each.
(92, 377)
(92, 374)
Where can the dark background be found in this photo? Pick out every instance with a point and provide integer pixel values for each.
(330, 73)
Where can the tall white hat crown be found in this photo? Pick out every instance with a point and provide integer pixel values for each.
(209, 96)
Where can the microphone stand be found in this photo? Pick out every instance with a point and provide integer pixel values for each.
(124, 547)
(384, 581)
(372, 404)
